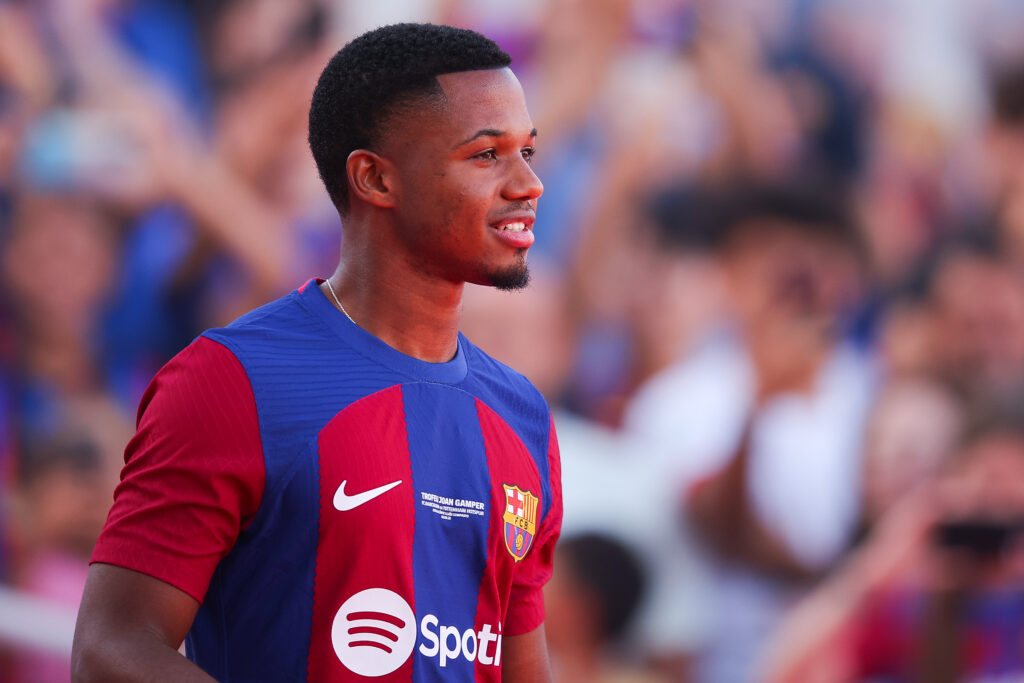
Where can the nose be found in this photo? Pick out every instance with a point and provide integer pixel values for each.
(523, 183)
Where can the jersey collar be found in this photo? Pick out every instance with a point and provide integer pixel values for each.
(450, 372)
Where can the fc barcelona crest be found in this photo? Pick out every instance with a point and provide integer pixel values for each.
(520, 520)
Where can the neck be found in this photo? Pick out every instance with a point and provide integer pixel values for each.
(407, 309)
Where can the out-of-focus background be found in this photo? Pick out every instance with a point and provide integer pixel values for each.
(777, 305)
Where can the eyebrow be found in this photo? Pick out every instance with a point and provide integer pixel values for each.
(489, 133)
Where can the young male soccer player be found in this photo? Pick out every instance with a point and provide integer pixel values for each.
(338, 485)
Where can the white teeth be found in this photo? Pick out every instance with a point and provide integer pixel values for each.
(514, 227)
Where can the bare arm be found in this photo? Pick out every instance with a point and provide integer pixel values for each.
(524, 658)
(721, 513)
(787, 350)
(235, 217)
(174, 163)
(24, 65)
(129, 628)
(815, 635)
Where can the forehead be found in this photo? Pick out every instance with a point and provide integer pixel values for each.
(476, 100)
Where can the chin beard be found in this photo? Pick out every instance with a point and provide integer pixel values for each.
(512, 278)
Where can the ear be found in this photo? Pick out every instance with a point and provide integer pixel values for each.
(371, 178)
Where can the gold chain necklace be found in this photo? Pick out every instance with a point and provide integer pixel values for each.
(337, 301)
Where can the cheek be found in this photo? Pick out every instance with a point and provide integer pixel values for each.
(458, 208)
(449, 203)
(436, 194)
(465, 195)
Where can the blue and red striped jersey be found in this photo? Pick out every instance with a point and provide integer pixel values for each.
(340, 510)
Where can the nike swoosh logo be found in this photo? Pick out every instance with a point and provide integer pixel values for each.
(343, 501)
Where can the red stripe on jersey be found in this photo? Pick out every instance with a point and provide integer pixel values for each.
(362, 452)
(509, 463)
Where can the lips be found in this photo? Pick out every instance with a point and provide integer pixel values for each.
(515, 231)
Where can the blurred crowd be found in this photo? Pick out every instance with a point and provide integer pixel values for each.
(777, 304)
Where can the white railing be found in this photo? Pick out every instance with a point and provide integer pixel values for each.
(30, 623)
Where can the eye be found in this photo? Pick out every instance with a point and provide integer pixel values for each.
(528, 153)
(487, 155)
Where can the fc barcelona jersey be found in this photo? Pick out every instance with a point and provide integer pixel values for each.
(341, 511)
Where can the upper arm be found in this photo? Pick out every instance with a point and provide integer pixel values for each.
(130, 626)
(121, 601)
(525, 657)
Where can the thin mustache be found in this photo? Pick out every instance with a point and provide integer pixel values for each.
(520, 207)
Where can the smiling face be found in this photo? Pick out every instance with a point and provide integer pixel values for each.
(465, 194)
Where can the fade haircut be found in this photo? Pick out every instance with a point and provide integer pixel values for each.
(377, 75)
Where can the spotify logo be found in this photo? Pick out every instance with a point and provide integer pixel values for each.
(374, 632)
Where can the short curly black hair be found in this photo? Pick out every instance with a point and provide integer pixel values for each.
(377, 75)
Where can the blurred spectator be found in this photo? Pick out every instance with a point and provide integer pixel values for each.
(208, 224)
(596, 587)
(1003, 157)
(937, 593)
(64, 484)
(57, 270)
(763, 421)
(913, 426)
(977, 308)
(265, 58)
(673, 259)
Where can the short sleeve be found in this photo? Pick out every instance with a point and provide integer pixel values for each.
(193, 474)
(526, 604)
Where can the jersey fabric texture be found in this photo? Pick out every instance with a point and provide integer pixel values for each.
(339, 509)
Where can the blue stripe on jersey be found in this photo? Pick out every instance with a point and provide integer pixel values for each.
(511, 396)
(448, 460)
